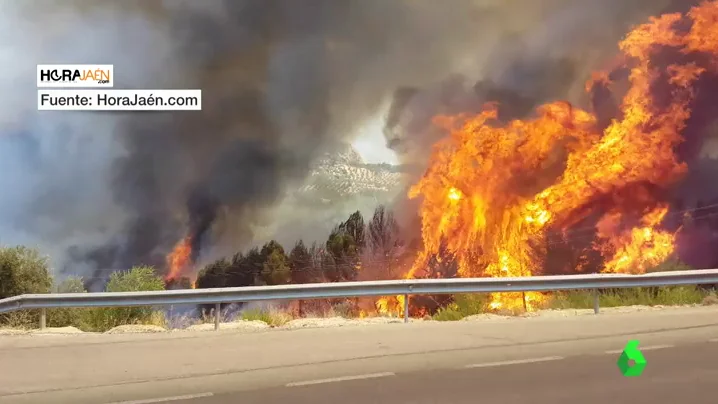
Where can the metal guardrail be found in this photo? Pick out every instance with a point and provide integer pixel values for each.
(406, 287)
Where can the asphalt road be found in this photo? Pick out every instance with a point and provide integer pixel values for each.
(675, 375)
(532, 360)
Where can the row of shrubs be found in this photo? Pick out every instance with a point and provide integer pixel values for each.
(24, 270)
(465, 305)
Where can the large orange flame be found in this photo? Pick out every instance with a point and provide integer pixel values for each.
(179, 259)
(492, 190)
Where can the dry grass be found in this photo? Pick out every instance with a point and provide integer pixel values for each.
(473, 304)
(273, 316)
(667, 296)
(21, 320)
(104, 319)
(157, 318)
(464, 305)
(710, 300)
(330, 312)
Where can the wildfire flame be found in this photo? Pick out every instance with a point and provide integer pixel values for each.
(493, 190)
(179, 259)
(641, 247)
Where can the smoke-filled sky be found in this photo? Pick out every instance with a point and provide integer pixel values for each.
(282, 80)
(550, 57)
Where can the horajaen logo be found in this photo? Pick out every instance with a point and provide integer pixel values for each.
(74, 76)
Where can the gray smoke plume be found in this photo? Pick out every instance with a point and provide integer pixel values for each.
(548, 59)
(282, 81)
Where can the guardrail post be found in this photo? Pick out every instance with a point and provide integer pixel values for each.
(43, 318)
(406, 308)
(595, 301)
(217, 314)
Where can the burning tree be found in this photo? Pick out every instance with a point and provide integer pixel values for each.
(494, 191)
(179, 259)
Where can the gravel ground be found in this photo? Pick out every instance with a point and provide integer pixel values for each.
(131, 329)
(339, 322)
(58, 330)
(12, 331)
(236, 325)
(574, 312)
(485, 317)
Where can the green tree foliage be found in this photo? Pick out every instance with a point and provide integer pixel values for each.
(338, 259)
(140, 278)
(213, 275)
(345, 245)
(240, 272)
(304, 268)
(266, 266)
(23, 270)
(317, 252)
(72, 284)
(63, 317)
(356, 230)
(251, 266)
(339, 263)
(302, 264)
(275, 268)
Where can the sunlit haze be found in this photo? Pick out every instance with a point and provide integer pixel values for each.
(371, 145)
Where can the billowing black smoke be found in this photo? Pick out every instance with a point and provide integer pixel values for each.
(283, 81)
(531, 67)
(281, 85)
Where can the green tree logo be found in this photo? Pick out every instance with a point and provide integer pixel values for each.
(631, 353)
